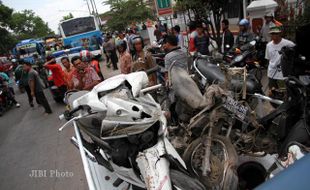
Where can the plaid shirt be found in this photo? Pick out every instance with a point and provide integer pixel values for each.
(88, 77)
(125, 61)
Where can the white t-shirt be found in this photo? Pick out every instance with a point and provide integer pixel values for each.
(274, 57)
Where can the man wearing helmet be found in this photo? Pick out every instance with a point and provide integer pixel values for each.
(88, 58)
(274, 57)
(125, 57)
(142, 61)
(244, 36)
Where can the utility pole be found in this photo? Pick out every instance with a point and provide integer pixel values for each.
(95, 7)
(88, 6)
(92, 5)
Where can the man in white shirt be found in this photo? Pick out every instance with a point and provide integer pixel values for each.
(273, 48)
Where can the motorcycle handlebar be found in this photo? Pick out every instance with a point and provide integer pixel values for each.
(69, 114)
(297, 81)
(152, 70)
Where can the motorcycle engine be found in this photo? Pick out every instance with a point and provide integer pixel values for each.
(125, 150)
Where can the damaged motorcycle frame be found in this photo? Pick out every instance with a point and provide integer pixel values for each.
(120, 126)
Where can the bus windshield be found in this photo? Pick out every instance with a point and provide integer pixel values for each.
(78, 26)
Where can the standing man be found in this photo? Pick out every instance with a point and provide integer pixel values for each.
(124, 57)
(84, 77)
(266, 28)
(272, 54)
(176, 31)
(227, 37)
(174, 53)
(36, 87)
(193, 33)
(142, 60)
(22, 78)
(157, 33)
(201, 40)
(110, 48)
(57, 74)
(68, 71)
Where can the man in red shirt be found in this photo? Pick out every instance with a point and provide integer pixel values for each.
(57, 74)
(193, 34)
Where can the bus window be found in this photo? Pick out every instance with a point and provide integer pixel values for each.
(78, 26)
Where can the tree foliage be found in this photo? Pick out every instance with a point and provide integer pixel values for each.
(206, 11)
(7, 40)
(124, 12)
(26, 24)
(67, 17)
(15, 26)
(294, 22)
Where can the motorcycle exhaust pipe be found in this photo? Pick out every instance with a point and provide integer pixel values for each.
(251, 174)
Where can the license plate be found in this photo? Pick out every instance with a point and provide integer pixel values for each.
(235, 107)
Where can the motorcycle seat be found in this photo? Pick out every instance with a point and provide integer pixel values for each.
(214, 74)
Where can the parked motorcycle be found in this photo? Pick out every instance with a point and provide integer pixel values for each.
(243, 84)
(247, 56)
(119, 126)
(5, 100)
(274, 132)
(209, 157)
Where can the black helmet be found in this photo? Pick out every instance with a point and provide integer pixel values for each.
(122, 43)
(137, 39)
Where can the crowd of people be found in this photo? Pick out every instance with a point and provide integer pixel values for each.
(128, 49)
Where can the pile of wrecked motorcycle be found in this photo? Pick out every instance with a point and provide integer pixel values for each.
(203, 130)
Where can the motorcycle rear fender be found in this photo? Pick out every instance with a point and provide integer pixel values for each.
(154, 167)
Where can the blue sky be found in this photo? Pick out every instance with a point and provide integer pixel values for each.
(52, 11)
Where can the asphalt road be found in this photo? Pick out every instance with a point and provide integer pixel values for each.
(31, 144)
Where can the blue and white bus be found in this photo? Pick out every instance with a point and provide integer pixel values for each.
(81, 33)
(25, 49)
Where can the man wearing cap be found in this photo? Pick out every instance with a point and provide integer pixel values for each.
(266, 28)
(274, 57)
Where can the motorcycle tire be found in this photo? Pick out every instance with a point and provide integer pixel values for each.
(184, 182)
(217, 179)
(181, 181)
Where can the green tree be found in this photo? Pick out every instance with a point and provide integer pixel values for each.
(67, 17)
(206, 10)
(124, 12)
(7, 40)
(291, 24)
(26, 24)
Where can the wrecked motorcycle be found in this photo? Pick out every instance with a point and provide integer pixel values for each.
(120, 127)
(210, 157)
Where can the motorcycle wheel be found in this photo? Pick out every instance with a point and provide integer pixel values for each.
(223, 159)
(182, 181)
